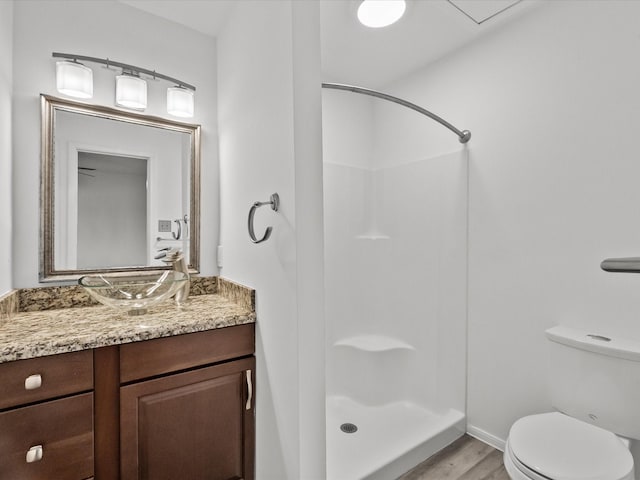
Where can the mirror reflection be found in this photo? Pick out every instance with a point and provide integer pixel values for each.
(119, 189)
(112, 193)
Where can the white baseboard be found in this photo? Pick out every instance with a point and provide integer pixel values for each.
(486, 437)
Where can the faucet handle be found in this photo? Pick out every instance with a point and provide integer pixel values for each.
(172, 255)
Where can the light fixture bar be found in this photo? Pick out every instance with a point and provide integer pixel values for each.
(125, 66)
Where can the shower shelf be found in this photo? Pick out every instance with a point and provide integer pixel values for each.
(373, 237)
(373, 343)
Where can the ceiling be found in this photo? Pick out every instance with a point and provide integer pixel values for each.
(354, 54)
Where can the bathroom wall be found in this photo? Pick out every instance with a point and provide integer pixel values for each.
(552, 102)
(270, 141)
(103, 29)
(347, 131)
(6, 80)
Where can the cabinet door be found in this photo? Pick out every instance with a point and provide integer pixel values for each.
(197, 425)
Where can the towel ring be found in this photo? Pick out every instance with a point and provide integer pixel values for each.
(275, 204)
(176, 236)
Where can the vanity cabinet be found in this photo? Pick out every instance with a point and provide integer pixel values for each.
(46, 418)
(177, 407)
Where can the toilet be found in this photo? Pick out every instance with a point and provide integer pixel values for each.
(595, 388)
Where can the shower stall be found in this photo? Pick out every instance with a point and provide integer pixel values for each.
(396, 276)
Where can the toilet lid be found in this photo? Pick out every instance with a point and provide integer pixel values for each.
(562, 448)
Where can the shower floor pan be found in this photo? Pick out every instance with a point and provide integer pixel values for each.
(389, 440)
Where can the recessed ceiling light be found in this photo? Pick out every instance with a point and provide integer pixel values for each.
(380, 13)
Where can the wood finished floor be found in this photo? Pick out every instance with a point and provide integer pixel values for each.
(465, 459)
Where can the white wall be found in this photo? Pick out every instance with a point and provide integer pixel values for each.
(552, 103)
(347, 133)
(103, 29)
(6, 80)
(270, 141)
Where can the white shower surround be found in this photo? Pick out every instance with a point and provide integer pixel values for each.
(395, 274)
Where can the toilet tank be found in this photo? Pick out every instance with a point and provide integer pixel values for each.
(596, 378)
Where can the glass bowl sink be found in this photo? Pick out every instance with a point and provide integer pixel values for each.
(133, 292)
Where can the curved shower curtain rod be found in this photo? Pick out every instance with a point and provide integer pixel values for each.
(463, 135)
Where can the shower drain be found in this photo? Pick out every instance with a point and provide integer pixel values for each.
(348, 428)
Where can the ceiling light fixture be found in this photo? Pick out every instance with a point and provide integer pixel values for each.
(76, 80)
(381, 13)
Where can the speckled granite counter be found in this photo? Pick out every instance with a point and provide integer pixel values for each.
(29, 334)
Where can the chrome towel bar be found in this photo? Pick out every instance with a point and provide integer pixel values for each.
(275, 204)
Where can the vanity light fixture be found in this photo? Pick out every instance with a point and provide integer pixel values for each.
(131, 91)
(74, 79)
(131, 88)
(180, 101)
(381, 13)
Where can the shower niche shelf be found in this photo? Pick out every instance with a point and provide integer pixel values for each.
(373, 343)
(373, 236)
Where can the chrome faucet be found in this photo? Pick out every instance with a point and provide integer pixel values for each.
(175, 258)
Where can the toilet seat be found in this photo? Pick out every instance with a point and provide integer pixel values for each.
(558, 447)
(515, 469)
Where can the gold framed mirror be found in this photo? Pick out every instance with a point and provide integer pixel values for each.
(117, 190)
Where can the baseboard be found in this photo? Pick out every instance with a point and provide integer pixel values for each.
(486, 437)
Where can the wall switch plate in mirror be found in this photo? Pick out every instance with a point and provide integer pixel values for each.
(164, 225)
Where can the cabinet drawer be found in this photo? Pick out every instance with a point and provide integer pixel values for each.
(181, 352)
(62, 428)
(57, 375)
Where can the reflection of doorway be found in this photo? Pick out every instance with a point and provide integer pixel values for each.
(112, 211)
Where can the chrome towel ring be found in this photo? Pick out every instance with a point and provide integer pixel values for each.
(176, 236)
(275, 204)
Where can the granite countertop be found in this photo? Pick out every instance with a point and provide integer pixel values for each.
(30, 334)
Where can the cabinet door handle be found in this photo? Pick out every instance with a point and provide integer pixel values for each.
(32, 382)
(34, 454)
(249, 390)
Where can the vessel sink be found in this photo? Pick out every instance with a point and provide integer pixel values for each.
(133, 292)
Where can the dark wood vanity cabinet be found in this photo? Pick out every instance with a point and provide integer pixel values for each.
(185, 408)
(179, 407)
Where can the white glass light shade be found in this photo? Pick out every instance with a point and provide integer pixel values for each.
(180, 102)
(381, 13)
(131, 92)
(74, 79)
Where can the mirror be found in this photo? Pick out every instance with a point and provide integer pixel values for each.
(118, 189)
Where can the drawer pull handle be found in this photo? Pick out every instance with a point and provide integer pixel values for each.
(34, 454)
(32, 382)
(249, 390)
